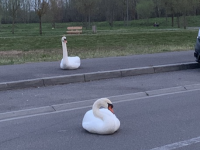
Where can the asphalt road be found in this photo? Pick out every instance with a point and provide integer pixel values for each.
(13, 100)
(155, 123)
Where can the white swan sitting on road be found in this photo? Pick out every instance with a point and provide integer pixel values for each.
(101, 121)
(68, 62)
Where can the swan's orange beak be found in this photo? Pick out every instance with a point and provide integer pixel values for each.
(110, 107)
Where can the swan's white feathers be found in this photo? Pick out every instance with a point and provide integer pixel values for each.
(93, 124)
(68, 62)
(73, 63)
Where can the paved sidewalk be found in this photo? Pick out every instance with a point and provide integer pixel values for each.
(49, 73)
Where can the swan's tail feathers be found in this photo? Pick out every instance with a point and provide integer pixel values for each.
(78, 60)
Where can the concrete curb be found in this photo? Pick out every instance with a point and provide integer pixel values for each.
(85, 77)
(89, 103)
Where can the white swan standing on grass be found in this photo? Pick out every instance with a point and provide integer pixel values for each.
(101, 121)
(68, 62)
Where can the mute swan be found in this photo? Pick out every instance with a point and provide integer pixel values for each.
(68, 62)
(101, 121)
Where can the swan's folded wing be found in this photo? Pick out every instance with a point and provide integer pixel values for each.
(117, 124)
(74, 62)
(112, 117)
(75, 59)
(91, 123)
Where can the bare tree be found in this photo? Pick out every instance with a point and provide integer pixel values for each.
(14, 6)
(185, 7)
(28, 11)
(86, 7)
(56, 11)
(145, 8)
(24, 12)
(111, 8)
(170, 9)
(158, 6)
(1, 9)
(178, 8)
(41, 7)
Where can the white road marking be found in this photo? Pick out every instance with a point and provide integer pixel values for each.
(90, 106)
(178, 144)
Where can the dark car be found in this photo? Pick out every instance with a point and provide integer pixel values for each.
(197, 48)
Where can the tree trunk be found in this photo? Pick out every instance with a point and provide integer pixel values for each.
(13, 26)
(124, 20)
(172, 20)
(178, 21)
(184, 21)
(127, 12)
(111, 19)
(134, 10)
(86, 22)
(89, 18)
(40, 17)
(166, 17)
(157, 10)
(53, 25)
(13, 23)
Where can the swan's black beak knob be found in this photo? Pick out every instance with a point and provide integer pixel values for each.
(64, 40)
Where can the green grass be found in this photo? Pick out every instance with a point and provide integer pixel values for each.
(140, 37)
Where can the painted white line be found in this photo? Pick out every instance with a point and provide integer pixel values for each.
(42, 114)
(178, 144)
(158, 95)
(90, 106)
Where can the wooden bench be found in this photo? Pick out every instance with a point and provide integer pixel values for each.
(74, 30)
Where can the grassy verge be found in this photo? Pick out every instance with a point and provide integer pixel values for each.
(26, 46)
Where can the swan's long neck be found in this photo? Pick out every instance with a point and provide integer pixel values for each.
(65, 53)
(96, 106)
